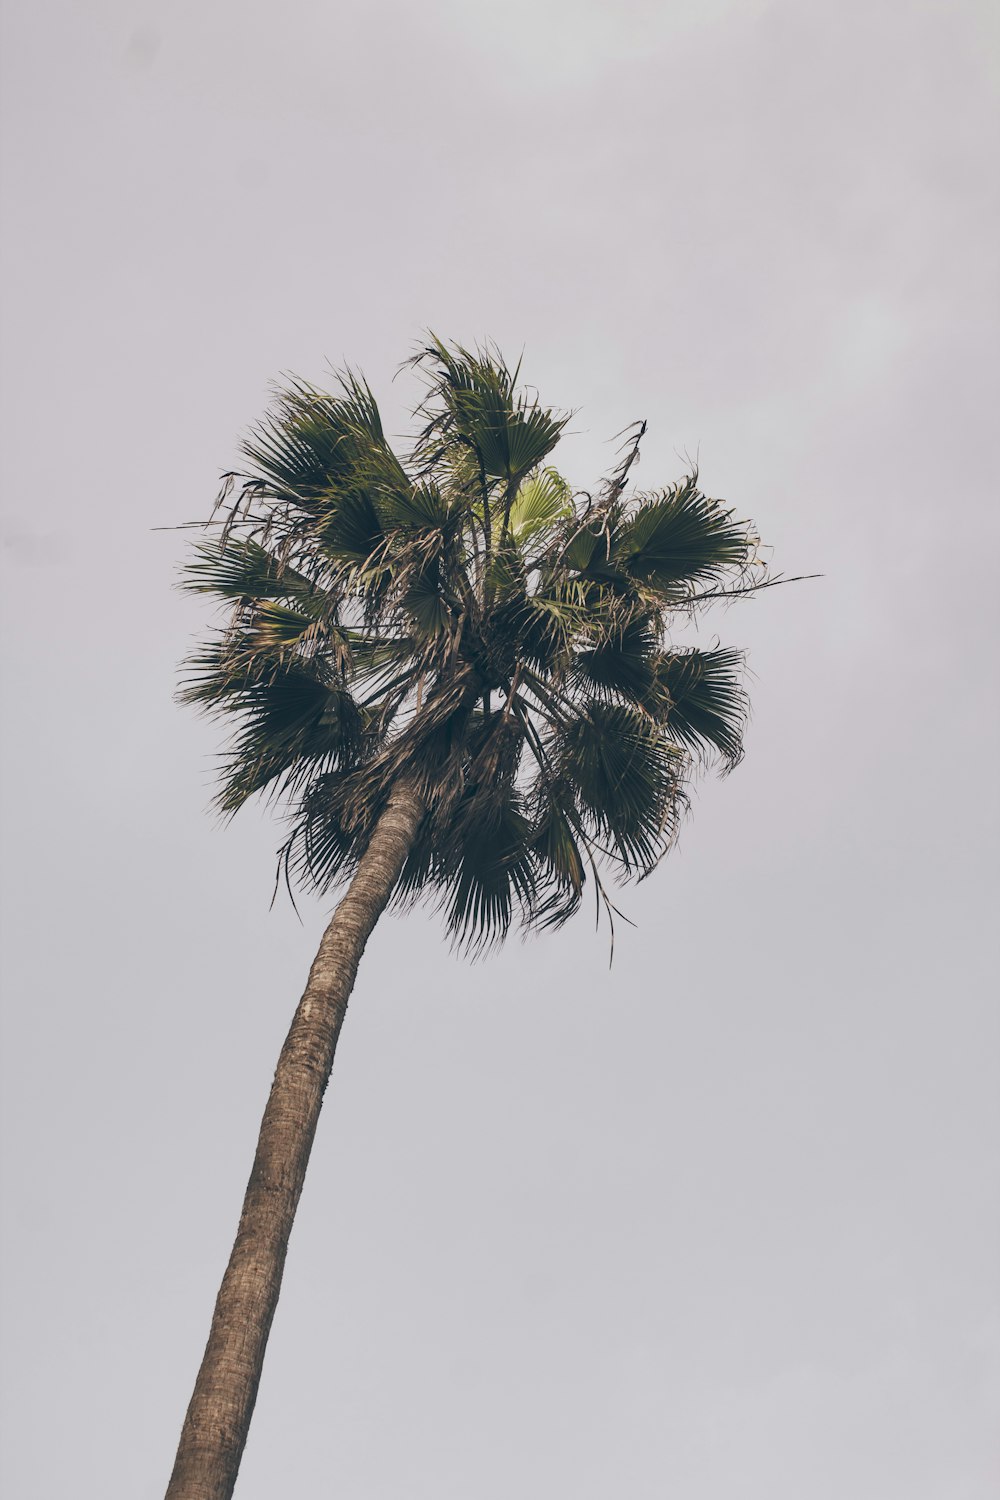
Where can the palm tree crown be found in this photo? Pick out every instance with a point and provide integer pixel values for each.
(464, 621)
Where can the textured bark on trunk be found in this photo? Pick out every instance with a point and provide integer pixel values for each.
(218, 1418)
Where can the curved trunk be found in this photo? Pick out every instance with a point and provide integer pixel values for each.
(218, 1418)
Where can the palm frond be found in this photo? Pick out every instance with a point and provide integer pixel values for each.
(492, 874)
(314, 445)
(556, 844)
(240, 568)
(542, 501)
(706, 700)
(620, 662)
(624, 775)
(473, 403)
(288, 724)
(681, 537)
(351, 530)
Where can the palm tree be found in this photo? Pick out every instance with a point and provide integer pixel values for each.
(456, 676)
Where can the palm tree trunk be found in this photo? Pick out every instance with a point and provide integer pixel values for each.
(218, 1418)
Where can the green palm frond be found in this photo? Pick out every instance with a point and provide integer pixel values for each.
(681, 537)
(556, 843)
(314, 446)
(240, 568)
(473, 403)
(621, 661)
(493, 873)
(417, 507)
(545, 623)
(426, 611)
(542, 501)
(335, 818)
(288, 724)
(351, 530)
(278, 627)
(624, 775)
(707, 700)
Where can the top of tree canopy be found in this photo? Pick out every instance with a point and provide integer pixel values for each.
(458, 617)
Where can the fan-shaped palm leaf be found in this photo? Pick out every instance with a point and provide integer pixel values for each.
(707, 703)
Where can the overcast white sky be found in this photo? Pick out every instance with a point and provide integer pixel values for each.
(723, 1224)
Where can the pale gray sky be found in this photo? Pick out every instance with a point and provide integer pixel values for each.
(723, 1224)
